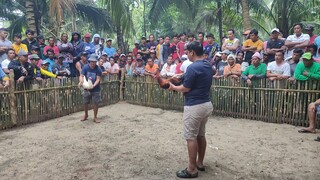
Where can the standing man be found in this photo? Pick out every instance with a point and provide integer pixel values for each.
(93, 72)
(165, 50)
(212, 47)
(274, 44)
(6, 62)
(309, 30)
(297, 40)
(152, 45)
(109, 50)
(5, 44)
(201, 39)
(52, 45)
(30, 40)
(252, 45)
(231, 43)
(181, 43)
(196, 88)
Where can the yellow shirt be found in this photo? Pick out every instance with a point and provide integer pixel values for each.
(17, 48)
(250, 43)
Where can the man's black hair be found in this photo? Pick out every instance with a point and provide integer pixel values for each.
(196, 47)
(232, 30)
(50, 50)
(201, 33)
(29, 31)
(299, 24)
(254, 31)
(183, 33)
(299, 51)
(190, 35)
(18, 35)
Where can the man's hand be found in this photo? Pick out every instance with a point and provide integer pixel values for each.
(249, 82)
(6, 84)
(171, 87)
(291, 79)
(21, 79)
(80, 83)
(250, 76)
(305, 73)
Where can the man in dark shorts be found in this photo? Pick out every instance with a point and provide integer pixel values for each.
(93, 72)
(196, 88)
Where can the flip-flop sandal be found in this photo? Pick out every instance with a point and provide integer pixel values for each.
(185, 174)
(201, 168)
(317, 139)
(305, 131)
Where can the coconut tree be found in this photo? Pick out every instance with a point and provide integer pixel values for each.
(245, 15)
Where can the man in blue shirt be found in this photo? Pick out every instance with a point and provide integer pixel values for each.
(88, 46)
(92, 73)
(196, 88)
(109, 50)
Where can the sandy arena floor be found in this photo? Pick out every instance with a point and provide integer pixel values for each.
(135, 142)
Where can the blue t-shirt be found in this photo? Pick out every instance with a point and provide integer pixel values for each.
(212, 49)
(51, 63)
(110, 51)
(199, 79)
(93, 73)
(89, 48)
(317, 43)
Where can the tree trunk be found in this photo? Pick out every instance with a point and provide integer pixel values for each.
(220, 20)
(283, 21)
(120, 38)
(245, 15)
(31, 23)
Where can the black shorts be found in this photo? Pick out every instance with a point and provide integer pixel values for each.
(94, 97)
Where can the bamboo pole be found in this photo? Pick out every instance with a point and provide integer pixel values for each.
(12, 99)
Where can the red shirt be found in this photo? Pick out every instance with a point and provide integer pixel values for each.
(178, 71)
(54, 48)
(174, 54)
(180, 46)
(312, 38)
(135, 52)
(204, 43)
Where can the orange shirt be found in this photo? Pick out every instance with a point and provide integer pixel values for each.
(235, 68)
(250, 43)
(152, 69)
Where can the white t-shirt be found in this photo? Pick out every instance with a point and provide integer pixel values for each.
(5, 64)
(185, 65)
(168, 72)
(106, 65)
(283, 69)
(294, 38)
(244, 66)
(114, 68)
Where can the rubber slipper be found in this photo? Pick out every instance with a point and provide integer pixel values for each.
(186, 174)
(305, 131)
(317, 139)
(201, 168)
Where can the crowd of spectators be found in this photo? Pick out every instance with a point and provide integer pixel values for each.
(293, 58)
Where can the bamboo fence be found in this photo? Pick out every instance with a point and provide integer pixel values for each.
(268, 101)
(34, 101)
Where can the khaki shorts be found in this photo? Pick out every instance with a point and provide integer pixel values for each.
(195, 119)
(94, 97)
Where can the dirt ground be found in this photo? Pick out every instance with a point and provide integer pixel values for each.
(139, 143)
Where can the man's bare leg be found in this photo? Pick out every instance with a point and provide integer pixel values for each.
(86, 107)
(312, 119)
(95, 113)
(193, 152)
(202, 145)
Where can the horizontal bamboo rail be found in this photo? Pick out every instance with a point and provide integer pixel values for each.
(269, 101)
(35, 101)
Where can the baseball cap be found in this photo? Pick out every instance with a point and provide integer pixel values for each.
(34, 56)
(92, 57)
(84, 53)
(22, 53)
(275, 29)
(45, 62)
(218, 54)
(87, 35)
(227, 52)
(257, 54)
(143, 37)
(309, 27)
(109, 39)
(35, 48)
(122, 55)
(210, 35)
(184, 57)
(136, 42)
(307, 56)
(246, 32)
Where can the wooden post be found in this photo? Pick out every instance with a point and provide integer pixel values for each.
(122, 83)
(12, 98)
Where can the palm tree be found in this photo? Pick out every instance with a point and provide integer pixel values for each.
(245, 15)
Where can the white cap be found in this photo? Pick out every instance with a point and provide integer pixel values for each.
(218, 54)
(184, 56)
(275, 29)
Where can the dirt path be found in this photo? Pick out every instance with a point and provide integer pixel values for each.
(135, 142)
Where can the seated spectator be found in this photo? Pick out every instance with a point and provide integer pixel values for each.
(293, 62)
(312, 108)
(308, 69)
(100, 64)
(278, 69)
(274, 45)
(83, 61)
(4, 80)
(178, 62)
(129, 66)
(35, 50)
(23, 71)
(30, 40)
(45, 74)
(50, 59)
(114, 66)
(34, 62)
(139, 68)
(265, 58)
(221, 64)
(169, 68)
(61, 68)
(233, 69)
(10, 57)
(52, 45)
(256, 70)
(17, 45)
(244, 65)
(151, 69)
(185, 63)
